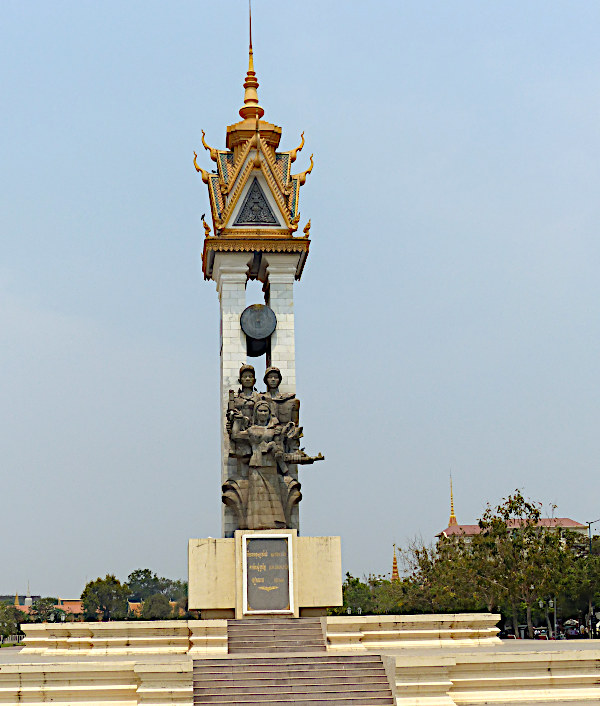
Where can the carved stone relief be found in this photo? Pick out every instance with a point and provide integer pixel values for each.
(256, 209)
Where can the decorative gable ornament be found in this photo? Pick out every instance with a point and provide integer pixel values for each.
(255, 210)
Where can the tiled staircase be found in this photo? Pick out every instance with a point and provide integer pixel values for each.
(304, 680)
(260, 635)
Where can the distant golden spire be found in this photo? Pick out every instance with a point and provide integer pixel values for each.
(251, 108)
(452, 520)
(16, 599)
(395, 574)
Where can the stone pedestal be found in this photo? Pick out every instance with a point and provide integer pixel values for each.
(266, 572)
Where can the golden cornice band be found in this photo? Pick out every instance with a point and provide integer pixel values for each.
(218, 244)
(244, 245)
(255, 234)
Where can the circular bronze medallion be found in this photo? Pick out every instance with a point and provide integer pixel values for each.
(258, 321)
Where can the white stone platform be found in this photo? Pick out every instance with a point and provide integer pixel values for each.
(440, 660)
(127, 638)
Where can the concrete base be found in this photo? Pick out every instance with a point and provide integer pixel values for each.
(384, 632)
(367, 633)
(216, 574)
(436, 660)
(123, 638)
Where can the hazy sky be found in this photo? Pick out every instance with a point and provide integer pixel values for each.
(447, 318)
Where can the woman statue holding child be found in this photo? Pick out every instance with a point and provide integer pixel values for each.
(265, 507)
(265, 438)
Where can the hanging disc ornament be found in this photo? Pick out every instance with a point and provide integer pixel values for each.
(258, 321)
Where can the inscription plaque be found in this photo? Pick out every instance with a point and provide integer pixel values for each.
(267, 574)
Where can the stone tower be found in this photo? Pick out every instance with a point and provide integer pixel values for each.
(254, 208)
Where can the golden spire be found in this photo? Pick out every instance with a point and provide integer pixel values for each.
(17, 598)
(395, 574)
(452, 520)
(251, 108)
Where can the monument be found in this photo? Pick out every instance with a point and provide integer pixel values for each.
(260, 565)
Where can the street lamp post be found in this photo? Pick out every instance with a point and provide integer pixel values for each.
(589, 524)
(591, 607)
(552, 606)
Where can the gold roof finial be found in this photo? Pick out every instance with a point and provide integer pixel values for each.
(251, 108)
(452, 520)
(395, 574)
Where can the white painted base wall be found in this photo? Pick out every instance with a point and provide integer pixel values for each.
(440, 660)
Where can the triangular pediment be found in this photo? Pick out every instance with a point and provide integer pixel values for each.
(253, 187)
(255, 209)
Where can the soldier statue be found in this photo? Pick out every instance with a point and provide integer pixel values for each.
(265, 438)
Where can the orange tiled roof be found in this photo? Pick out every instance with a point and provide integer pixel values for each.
(135, 607)
(70, 605)
(471, 530)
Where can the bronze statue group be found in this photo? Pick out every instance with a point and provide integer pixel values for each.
(264, 439)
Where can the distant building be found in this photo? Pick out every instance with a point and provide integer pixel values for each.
(72, 607)
(557, 523)
(22, 603)
(136, 608)
(469, 531)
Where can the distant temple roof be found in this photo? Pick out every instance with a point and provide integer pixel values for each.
(472, 530)
(452, 521)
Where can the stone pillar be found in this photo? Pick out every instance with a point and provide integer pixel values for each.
(281, 274)
(230, 272)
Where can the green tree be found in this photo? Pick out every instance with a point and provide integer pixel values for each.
(441, 577)
(10, 619)
(156, 607)
(176, 590)
(107, 597)
(181, 607)
(143, 583)
(583, 581)
(357, 596)
(521, 560)
(44, 611)
(389, 596)
(511, 564)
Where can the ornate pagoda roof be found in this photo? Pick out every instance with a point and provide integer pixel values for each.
(253, 193)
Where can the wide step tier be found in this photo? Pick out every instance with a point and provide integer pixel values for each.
(305, 680)
(256, 636)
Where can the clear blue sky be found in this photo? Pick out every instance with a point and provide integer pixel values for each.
(447, 319)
